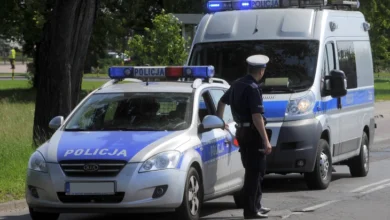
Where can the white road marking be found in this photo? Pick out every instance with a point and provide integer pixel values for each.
(375, 189)
(293, 213)
(312, 208)
(369, 185)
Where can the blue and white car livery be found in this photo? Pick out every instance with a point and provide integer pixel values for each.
(132, 146)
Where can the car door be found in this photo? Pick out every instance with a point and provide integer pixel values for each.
(328, 103)
(236, 176)
(351, 127)
(213, 151)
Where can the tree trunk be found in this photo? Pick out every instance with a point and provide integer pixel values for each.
(60, 62)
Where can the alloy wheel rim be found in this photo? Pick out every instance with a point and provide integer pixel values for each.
(365, 157)
(324, 166)
(193, 198)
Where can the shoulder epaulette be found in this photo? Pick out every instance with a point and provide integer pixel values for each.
(254, 85)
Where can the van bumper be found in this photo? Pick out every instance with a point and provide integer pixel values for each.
(296, 147)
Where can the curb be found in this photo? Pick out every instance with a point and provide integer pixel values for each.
(13, 205)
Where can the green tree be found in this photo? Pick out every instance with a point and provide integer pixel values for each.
(160, 45)
(377, 13)
(60, 58)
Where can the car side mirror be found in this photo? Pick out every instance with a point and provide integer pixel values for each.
(56, 122)
(211, 122)
(337, 84)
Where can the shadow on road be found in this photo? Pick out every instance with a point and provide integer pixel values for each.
(292, 183)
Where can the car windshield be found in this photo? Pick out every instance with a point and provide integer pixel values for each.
(293, 60)
(133, 112)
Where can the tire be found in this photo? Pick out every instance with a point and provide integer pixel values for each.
(321, 176)
(43, 215)
(192, 198)
(239, 199)
(359, 166)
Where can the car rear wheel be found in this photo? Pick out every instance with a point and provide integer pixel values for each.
(192, 198)
(360, 165)
(43, 215)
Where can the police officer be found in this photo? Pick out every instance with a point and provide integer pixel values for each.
(245, 98)
(12, 57)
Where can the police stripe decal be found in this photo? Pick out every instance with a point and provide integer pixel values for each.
(215, 149)
(353, 98)
(277, 109)
(106, 145)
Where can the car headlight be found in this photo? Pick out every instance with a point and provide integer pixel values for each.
(301, 106)
(37, 162)
(164, 160)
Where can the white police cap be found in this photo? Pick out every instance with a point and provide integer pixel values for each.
(258, 60)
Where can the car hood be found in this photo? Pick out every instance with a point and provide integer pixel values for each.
(131, 146)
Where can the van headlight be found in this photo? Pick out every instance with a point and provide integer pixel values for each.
(164, 160)
(301, 106)
(37, 162)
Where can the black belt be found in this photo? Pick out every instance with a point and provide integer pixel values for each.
(244, 125)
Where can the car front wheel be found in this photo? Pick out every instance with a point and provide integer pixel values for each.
(321, 176)
(193, 197)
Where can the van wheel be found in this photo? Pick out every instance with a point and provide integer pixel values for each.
(42, 215)
(322, 173)
(192, 198)
(239, 198)
(360, 165)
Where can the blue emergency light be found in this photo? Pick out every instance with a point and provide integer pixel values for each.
(223, 5)
(121, 72)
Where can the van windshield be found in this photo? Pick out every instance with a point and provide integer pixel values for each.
(292, 59)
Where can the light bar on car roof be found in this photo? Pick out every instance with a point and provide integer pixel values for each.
(121, 72)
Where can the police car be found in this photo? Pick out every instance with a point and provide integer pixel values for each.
(147, 140)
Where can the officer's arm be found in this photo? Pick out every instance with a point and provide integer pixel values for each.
(220, 108)
(257, 110)
(222, 102)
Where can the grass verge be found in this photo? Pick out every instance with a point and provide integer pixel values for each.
(17, 107)
(382, 87)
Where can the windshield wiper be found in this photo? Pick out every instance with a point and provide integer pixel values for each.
(278, 89)
(129, 129)
(76, 129)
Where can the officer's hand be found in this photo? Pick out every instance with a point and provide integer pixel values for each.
(268, 147)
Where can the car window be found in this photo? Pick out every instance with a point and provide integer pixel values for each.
(205, 106)
(216, 95)
(133, 111)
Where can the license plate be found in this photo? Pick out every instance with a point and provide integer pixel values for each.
(103, 188)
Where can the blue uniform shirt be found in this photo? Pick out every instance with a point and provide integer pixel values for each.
(245, 98)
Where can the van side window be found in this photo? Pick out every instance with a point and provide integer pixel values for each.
(331, 56)
(347, 62)
(328, 64)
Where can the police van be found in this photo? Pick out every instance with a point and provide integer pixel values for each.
(318, 86)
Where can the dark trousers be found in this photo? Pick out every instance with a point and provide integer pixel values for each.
(12, 61)
(254, 163)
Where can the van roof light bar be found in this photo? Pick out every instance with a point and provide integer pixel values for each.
(230, 5)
